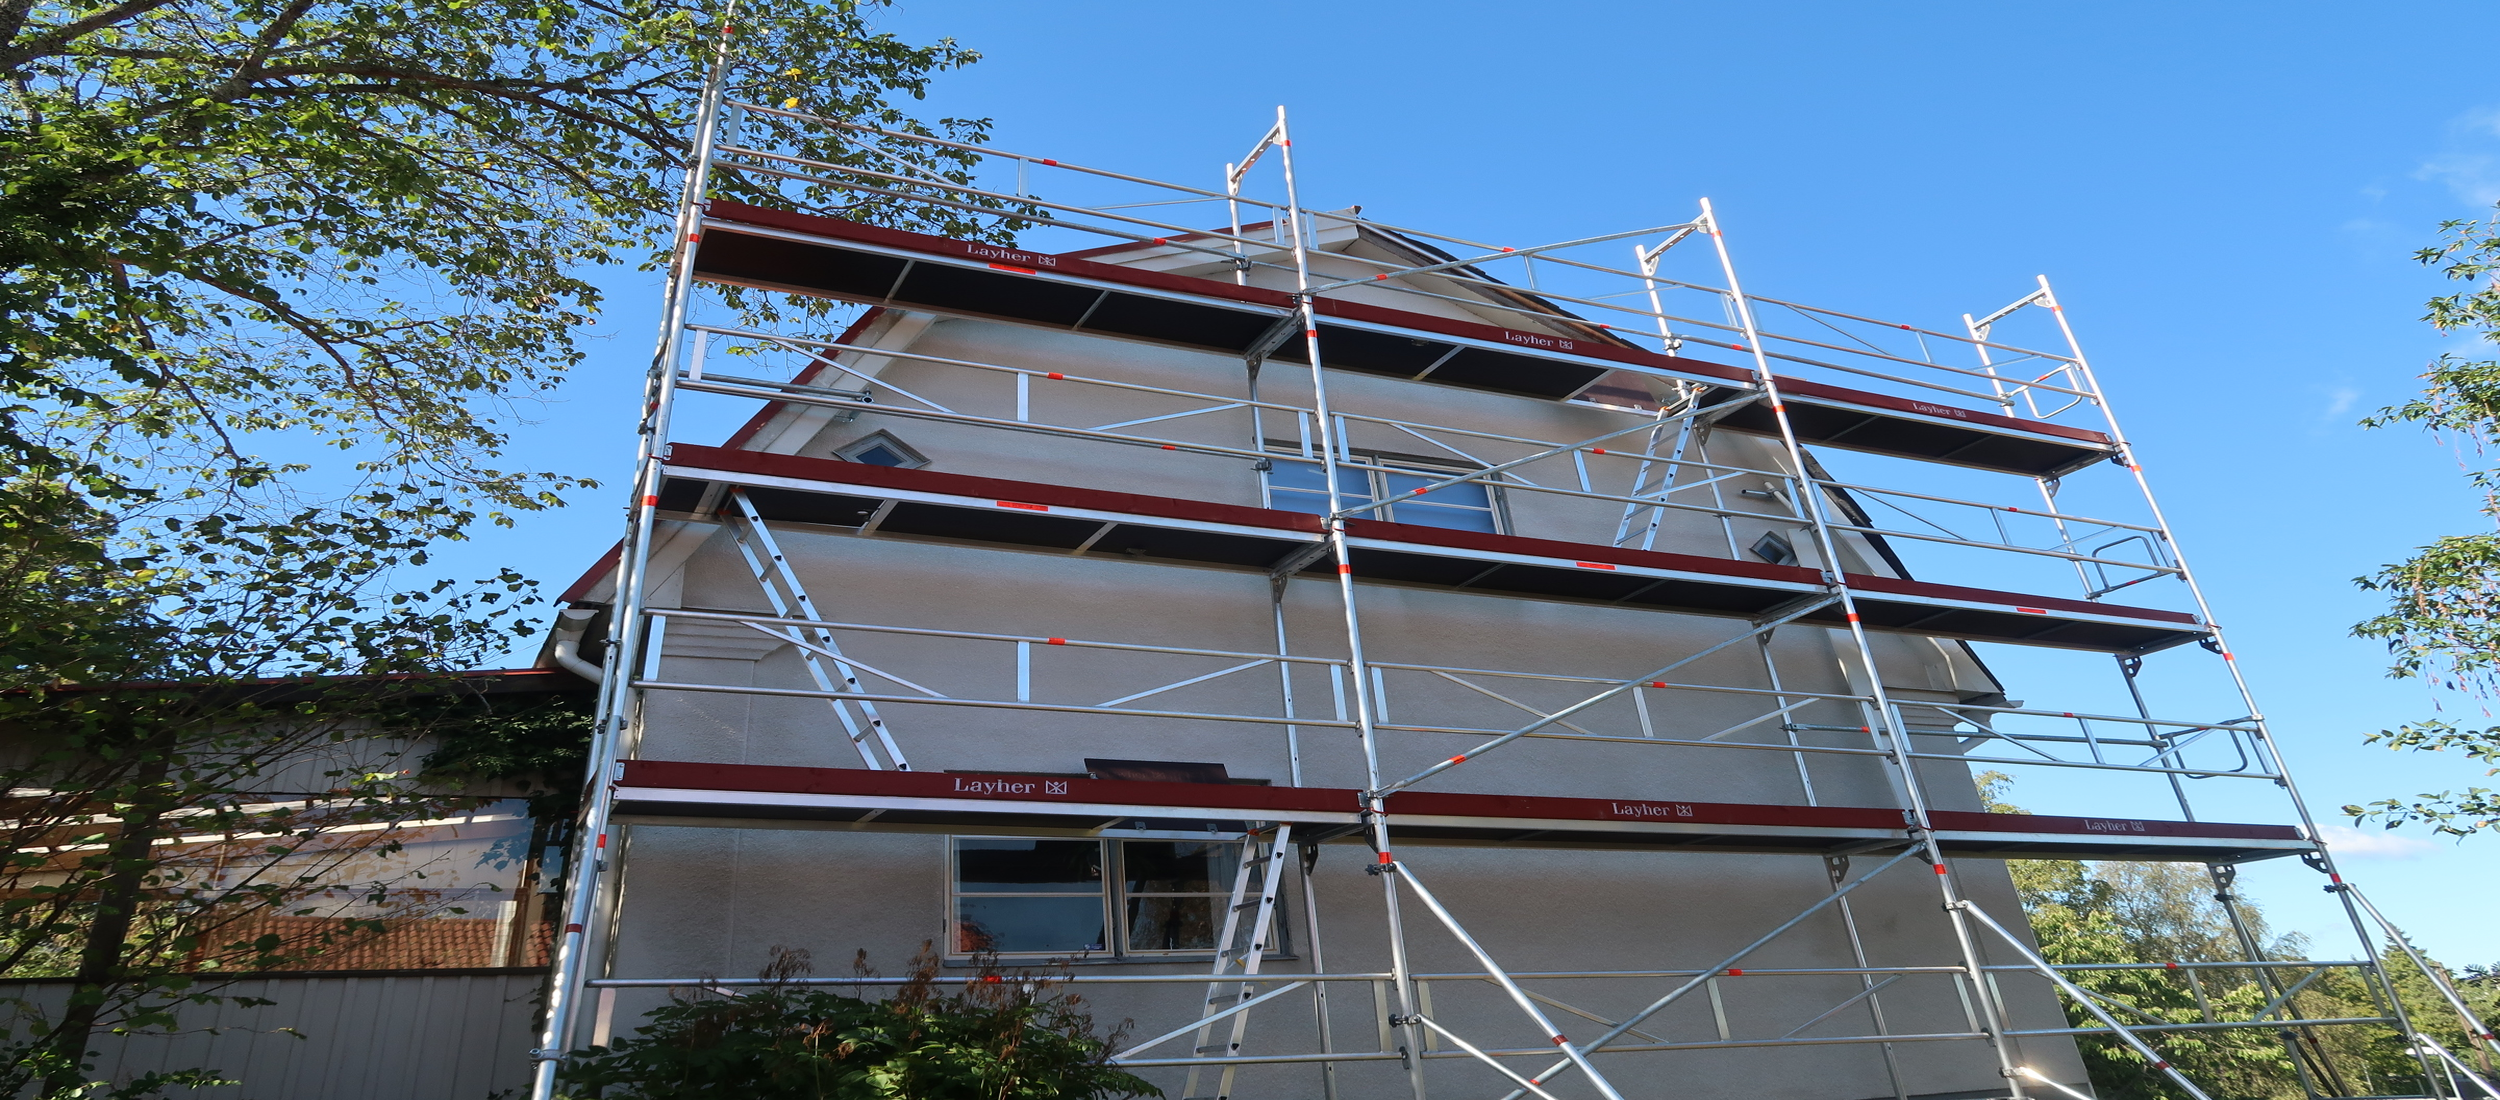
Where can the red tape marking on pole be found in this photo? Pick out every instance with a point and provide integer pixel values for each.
(1017, 270)
(651, 501)
(1345, 569)
(1734, 972)
(1459, 759)
(2032, 610)
(1055, 641)
(1592, 565)
(571, 929)
(1387, 858)
(1022, 507)
(1940, 868)
(1056, 376)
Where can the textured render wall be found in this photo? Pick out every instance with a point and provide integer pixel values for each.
(706, 901)
(460, 1036)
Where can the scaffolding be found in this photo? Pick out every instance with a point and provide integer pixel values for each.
(1669, 355)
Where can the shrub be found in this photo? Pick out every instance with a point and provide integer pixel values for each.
(1001, 1036)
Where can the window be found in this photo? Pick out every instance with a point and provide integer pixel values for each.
(1774, 549)
(1301, 485)
(881, 449)
(1025, 897)
(1174, 892)
(1020, 896)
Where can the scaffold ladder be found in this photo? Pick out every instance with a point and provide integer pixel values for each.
(1239, 949)
(816, 645)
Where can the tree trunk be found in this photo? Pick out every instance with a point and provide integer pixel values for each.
(117, 900)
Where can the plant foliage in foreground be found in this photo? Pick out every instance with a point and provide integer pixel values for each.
(999, 1036)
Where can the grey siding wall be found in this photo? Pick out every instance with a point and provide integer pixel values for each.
(456, 1036)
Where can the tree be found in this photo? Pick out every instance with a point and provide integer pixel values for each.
(2132, 912)
(2442, 623)
(308, 228)
(2137, 912)
(370, 223)
(198, 781)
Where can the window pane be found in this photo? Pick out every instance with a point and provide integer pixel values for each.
(878, 454)
(1007, 866)
(1028, 924)
(1179, 866)
(1454, 519)
(1466, 506)
(1297, 486)
(1173, 924)
(1465, 494)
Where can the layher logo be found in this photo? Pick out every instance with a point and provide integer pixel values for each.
(2107, 825)
(997, 255)
(1009, 788)
(1939, 410)
(1534, 340)
(1650, 809)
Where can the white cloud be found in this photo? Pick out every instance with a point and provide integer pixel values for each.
(2339, 400)
(2374, 843)
(2470, 166)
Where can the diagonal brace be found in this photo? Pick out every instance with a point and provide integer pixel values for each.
(2083, 998)
(1501, 977)
(1201, 1023)
(1560, 449)
(1479, 1054)
(1698, 980)
(1809, 607)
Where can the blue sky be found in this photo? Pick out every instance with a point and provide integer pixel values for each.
(2227, 195)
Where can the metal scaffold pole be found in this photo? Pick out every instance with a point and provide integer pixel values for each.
(619, 707)
(1882, 714)
(1332, 454)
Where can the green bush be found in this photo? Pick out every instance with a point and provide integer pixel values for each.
(1000, 1036)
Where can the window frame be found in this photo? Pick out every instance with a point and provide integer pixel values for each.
(1114, 896)
(955, 893)
(1377, 467)
(912, 458)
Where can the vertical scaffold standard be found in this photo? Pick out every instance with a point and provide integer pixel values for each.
(1574, 607)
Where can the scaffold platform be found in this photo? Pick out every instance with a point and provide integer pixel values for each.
(995, 802)
(829, 257)
(929, 503)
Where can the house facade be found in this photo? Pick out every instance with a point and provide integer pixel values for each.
(890, 567)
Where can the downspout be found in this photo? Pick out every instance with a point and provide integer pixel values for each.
(569, 625)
